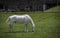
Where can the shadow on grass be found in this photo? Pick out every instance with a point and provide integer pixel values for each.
(18, 32)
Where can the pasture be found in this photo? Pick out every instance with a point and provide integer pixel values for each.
(47, 25)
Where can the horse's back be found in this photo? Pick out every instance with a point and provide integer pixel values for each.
(25, 16)
(18, 18)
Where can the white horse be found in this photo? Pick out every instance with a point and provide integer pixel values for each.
(20, 18)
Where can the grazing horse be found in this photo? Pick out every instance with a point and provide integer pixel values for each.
(20, 18)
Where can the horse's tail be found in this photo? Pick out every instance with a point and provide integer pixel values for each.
(31, 21)
(7, 21)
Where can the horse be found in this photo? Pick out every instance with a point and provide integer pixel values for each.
(20, 18)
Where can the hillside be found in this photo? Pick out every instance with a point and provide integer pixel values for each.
(54, 9)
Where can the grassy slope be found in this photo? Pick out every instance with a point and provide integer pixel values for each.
(54, 9)
(47, 26)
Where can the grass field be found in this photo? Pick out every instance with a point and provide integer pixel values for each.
(47, 25)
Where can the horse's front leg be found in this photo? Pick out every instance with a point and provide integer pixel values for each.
(26, 29)
(11, 27)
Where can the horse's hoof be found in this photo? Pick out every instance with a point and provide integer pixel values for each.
(11, 31)
(26, 31)
(32, 31)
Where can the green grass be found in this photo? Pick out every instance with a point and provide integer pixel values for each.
(47, 25)
(54, 9)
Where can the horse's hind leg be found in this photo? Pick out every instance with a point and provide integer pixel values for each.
(11, 27)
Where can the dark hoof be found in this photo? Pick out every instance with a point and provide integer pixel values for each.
(32, 31)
